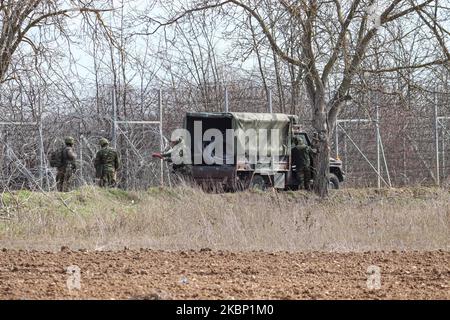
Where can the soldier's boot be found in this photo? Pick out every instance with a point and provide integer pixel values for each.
(65, 186)
(112, 179)
(59, 180)
(307, 177)
(301, 180)
(68, 181)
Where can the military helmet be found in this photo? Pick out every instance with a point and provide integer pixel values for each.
(176, 140)
(69, 140)
(103, 141)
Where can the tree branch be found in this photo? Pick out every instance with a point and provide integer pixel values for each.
(339, 42)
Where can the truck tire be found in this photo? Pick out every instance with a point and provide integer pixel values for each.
(257, 183)
(333, 181)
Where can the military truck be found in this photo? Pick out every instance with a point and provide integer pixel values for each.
(240, 164)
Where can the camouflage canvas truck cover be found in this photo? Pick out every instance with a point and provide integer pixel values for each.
(254, 151)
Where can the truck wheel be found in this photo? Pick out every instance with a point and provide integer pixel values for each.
(333, 181)
(258, 183)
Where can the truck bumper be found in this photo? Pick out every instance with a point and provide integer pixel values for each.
(215, 174)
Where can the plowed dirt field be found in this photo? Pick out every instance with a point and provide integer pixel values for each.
(205, 274)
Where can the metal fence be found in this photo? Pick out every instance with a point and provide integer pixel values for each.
(380, 142)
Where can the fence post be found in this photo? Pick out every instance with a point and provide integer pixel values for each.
(161, 141)
(436, 139)
(226, 99)
(114, 124)
(41, 155)
(336, 134)
(377, 125)
(443, 133)
(270, 102)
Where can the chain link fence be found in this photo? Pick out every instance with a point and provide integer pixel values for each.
(412, 149)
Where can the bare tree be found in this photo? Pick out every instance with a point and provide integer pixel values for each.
(345, 57)
(18, 19)
(334, 37)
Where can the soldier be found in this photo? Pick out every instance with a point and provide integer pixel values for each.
(301, 158)
(106, 164)
(175, 147)
(67, 167)
(173, 154)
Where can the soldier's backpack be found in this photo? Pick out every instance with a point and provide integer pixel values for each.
(57, 158)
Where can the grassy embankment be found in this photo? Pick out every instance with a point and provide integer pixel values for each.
(172, 219)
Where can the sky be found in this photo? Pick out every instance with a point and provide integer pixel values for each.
(82, 51)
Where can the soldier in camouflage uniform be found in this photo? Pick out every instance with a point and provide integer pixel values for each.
(301, 158)
(175, 149)
(173, 154)
(106, 164)
(68, 165)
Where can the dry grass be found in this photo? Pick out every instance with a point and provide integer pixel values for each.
(173, 219)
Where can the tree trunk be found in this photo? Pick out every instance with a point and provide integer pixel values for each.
(322, 161)
(322, 145)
